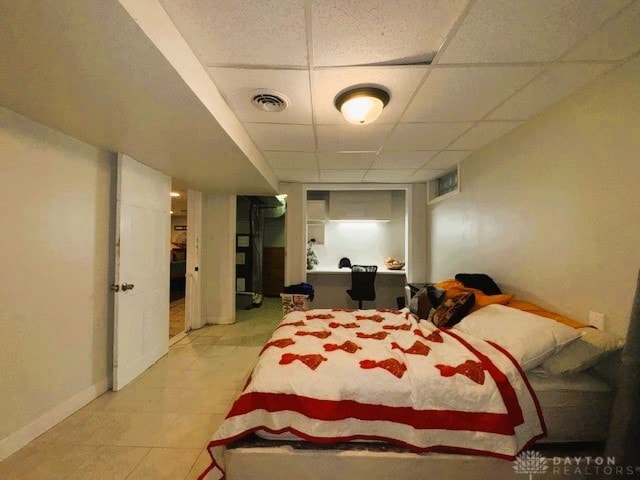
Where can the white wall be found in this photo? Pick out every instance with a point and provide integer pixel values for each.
(552, 211)
(417, 259)
(294, 262)
(366, 243)
(54, 300)
(218, 268)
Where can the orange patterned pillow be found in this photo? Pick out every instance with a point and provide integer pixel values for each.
(453, 309)
(481, 300)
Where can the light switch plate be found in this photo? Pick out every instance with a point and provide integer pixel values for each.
(596, 319)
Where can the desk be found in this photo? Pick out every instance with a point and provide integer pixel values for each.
(347, 271)
(330, 285)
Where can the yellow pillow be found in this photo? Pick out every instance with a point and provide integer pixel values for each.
(450, 283)
(535, 309)
(483, 300)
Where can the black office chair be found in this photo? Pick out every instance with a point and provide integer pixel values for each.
(363, 278)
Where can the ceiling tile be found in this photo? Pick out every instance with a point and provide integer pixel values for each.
(447, 159)
(341, 176)
(237, 85)
(424, 136)
(525, 31)
(400, 82)
(409, 160)
(360, 32)
(391, 176)
(339, 138)
(554, 83)
(351, 161)
(465, 93)
(618, 38)
(251, 32)
(291, 138)
(298, 160)
(425, 175)
(296, 175)
(482, 134)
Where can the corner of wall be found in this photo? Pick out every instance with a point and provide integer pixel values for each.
(218, 257)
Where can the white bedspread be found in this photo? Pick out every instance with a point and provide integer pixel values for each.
(334, 375)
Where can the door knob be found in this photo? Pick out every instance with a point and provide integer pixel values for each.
(114, 287)
(127, 286)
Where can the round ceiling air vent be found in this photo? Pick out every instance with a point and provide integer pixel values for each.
(269, 100)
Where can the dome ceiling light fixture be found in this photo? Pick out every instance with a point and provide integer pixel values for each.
(362, 105)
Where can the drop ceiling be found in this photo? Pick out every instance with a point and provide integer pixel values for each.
(85, 68)
(461, 74)
(168, 82)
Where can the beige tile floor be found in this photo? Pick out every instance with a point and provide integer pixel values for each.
(158, 426)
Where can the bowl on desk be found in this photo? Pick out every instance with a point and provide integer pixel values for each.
(393, 264)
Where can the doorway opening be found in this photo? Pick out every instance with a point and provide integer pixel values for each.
(260, 243)
(178, 262)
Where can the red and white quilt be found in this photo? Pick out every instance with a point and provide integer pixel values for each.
(332, 376)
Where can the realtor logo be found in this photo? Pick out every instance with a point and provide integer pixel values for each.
(530, 462)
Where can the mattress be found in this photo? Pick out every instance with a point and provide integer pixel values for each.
(576, 408)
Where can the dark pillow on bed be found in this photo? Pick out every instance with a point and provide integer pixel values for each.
(479, 281)
(436, 295)
(424, 304)
(454, 309)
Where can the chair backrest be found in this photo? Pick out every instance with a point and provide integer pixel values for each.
(363, 278)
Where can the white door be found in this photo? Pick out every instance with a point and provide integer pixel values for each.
(141, 306)
(193, 311)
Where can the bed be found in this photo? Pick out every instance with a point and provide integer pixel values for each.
(575, 408)
(387, 394)
(352, 383)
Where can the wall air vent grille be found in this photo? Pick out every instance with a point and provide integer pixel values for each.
(269, 100)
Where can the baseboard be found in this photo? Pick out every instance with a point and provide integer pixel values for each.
(177, 337)
(14, 442)
(220, 320)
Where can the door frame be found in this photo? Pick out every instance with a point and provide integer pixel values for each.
(193, 294)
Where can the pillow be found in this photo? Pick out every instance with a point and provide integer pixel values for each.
(585, 352)
(481, 300)
(529, 338)
(453, 309)
(413, 304)
(436, 295)
(480, 281)
(449, 283)
(424, 304)
(531, 308)
(420, 304)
